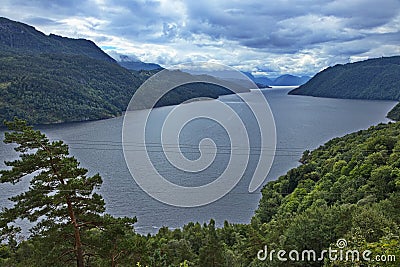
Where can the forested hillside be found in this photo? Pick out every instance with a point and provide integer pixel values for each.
(375, 79)
(52, 79)
(348, 189)
(394, 114)
(47, 88)
(22, 38)
(290, 80)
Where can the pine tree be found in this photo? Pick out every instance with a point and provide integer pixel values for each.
(60, 199)
(211, 254)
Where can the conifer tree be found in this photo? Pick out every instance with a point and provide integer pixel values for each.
(60, 200)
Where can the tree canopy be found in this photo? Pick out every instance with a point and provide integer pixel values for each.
(61, 201)
(349, 188)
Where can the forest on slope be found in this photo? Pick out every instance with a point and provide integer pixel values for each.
(53, 88)
(48, 88)
(375, 79)
(52, 79)
(349, 188)
(19, 37)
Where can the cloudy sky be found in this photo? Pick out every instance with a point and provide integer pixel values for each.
(266, 37)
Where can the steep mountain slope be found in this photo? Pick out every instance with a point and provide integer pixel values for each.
(376, 79)
(22, 38)
(48, 79)
(370, 79)
(394, 114)
(349, 188)
(48, 88)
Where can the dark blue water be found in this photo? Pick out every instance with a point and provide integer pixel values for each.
(302, 123)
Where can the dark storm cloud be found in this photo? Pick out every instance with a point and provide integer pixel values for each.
(361, 14)
(61, 7)
(292, 26)
(306, 35)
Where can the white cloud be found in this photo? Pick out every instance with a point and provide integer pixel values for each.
(267, 37)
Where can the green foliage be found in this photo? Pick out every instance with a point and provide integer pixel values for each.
(52, 79)
(210, 254)
(61, 202)
(348, 188)
(369, 79)
(394, 114)
(49, 88)
(46, 88)
(375, 79)
(22, 38)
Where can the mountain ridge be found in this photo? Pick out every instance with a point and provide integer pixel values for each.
(283, 80)
(290, 80)
(52, 79)
(23, 38)
(131, 63)
(374, 79)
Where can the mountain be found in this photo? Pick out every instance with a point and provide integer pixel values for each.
(337, 191)
(189, 88)
(290, 80)
(394, 114)
(22, 38)
(370, 79)
(52, 79)
(261, 81)
(284, 80)
(139, 65)
(48, 88)
(375, 79)
(135, 64)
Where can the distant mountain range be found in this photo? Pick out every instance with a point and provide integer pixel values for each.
(133, 63)
(290, 80)
(284, 80)
(376, 79)
(48, 79)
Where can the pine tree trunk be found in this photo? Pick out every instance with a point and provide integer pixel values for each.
(71, 213)
(78, 246)
(77, 234)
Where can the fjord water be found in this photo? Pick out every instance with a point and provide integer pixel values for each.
(301, 122)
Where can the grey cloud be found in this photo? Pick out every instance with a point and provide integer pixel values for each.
(53, 8)
(325, 29)
(350, 48)
(362, 14)
(40, 21)
(169, 29)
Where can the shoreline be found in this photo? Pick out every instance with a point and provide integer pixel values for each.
(395, 102)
